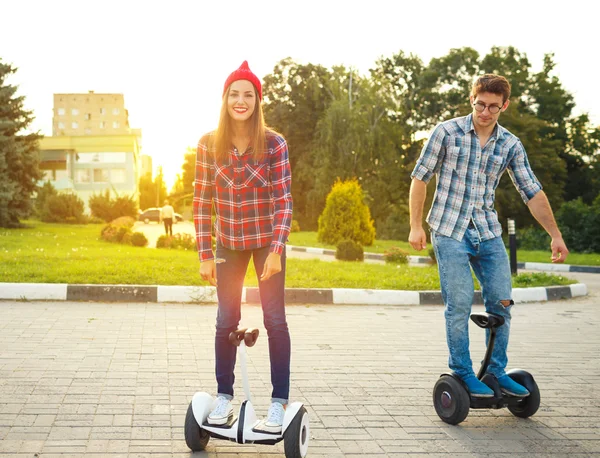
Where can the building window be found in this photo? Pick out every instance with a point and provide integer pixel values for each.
(102, 111)
(74, 111)
(116, 124)
(74, 125)
(48, 175)
(115, 111)
(88, 116)
(60, 175)
(101, 175)
(94, 158)
(61, 112)
(61, 125)
(83, 176)
(117, 176)
(102, 124)
(88, 131)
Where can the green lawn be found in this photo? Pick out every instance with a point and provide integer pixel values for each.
(74, 254)
(309, 239)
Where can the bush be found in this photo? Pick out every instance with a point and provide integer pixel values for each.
(138, 239)
(43, 193)
(349, 250)
(116, 234)
(108, 209)
(579, 225)
(533, 238)
(126, 221)
(346, 216)
(295, 226)
(63, 208)
(177, 241)
(396, 255)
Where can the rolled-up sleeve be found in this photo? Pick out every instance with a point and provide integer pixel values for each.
(431, 157)
(202, 203)
(281, 181)
(521, 174)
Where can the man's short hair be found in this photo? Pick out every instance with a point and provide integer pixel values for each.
(495, 84)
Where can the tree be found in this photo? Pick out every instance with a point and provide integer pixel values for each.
(152, 192)
(188, 174)
(346, 216)
(19, 154)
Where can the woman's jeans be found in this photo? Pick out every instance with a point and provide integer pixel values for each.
(231, 270)
(490, 264)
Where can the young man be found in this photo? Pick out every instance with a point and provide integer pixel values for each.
(468, 156)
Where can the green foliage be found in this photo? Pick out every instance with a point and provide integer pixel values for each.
(177, 242)
(295, 226)
(533, 238)
(44, 192)
(63, 208)
(579, 224)
(346, 216)
(342, 124)
(19, 154)
(116, 234)
(126, 221)
(349, 250)
(152, 192)
(107, 208)
(138, 239)
(396, 255)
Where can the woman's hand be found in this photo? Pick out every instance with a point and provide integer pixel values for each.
(208, 272)
(272, 266)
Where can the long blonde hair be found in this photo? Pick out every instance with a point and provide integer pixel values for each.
(224, 133)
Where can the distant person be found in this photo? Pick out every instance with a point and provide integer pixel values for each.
(166, 216)
(468, 155)
(243, 169)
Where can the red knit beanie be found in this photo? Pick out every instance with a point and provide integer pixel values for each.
(244, 73)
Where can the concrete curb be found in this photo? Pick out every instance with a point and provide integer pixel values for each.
(207, 294)
(539, 266)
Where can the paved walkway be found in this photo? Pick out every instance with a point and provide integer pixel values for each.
(114, 380)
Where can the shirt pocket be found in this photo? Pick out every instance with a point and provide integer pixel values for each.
(453, 156)
(256, 176)
(224, 176)
(493, 167)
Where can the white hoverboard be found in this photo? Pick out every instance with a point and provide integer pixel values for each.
(243, 428)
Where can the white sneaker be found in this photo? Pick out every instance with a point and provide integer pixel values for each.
(274, 420)
(221, 413)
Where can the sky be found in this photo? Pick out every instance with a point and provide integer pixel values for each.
(170, 59)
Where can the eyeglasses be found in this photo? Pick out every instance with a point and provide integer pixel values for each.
(493, 109)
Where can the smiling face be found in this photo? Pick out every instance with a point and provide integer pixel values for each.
(241, 100)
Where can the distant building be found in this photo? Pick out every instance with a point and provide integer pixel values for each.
(89, 114)
(146, 165)
(92, 148)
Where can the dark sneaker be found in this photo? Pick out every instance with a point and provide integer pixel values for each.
(221, 413)
(512, 388)
(477, 388)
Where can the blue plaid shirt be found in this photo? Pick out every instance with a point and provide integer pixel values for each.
(467, 176)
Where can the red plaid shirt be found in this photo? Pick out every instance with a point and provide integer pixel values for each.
(252, 198)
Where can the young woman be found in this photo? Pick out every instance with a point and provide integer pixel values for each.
(243, 168)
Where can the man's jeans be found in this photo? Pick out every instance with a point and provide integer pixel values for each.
(231, 270)
(490, 264)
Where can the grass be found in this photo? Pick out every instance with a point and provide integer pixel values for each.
(309, 239)
(74, 254)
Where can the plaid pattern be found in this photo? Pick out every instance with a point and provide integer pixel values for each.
(468, 176)
(253, 203)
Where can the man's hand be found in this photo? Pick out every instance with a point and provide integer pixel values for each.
(208, 271)
(417, 239)
(272, 266)
(559, 250)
